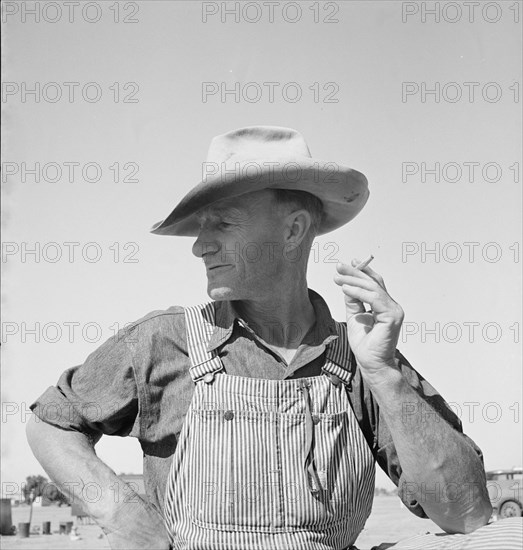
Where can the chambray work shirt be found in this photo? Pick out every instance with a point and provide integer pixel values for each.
(138, 384)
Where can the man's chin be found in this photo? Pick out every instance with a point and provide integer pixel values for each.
(220, 293)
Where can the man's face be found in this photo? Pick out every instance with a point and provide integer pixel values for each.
(241, 243)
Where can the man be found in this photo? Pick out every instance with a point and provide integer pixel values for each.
(255, 435)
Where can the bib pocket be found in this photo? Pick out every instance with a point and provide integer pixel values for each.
(237, 485)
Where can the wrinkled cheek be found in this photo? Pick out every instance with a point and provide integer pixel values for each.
(273, 260)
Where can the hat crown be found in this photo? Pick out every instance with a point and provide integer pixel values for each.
(268, 157)
(256, 143)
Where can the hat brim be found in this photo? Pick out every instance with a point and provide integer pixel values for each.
(342, 190)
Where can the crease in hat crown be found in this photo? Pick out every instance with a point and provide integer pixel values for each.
(255, 142)
(268, 157)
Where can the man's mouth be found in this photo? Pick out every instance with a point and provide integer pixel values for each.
(215, 267)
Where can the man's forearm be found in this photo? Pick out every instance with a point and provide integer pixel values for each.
(70, 461)
(444, 473)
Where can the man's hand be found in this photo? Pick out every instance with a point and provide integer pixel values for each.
(135, 525)
(372, 335)
(432, 454)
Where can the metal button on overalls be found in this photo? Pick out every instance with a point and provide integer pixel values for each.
(209, 377)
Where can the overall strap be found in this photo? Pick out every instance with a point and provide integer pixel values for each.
(341, 363)
(199, 321)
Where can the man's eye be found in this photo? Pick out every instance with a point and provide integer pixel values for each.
(224, 225)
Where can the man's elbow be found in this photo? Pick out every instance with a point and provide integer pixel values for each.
(32, 430)
(455, 521)
(479, 517)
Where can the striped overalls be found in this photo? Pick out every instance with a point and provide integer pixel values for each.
(267, 464)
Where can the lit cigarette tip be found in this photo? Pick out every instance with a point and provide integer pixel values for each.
(365, 262)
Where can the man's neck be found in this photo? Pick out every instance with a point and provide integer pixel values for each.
(281, 320)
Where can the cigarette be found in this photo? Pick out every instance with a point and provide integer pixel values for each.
(365, 263)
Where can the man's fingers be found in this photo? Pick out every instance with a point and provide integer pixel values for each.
(352, 305)
(367, 284)
(379, 301)
(365, 273)
(376, 276)
(362, 290)
(361, 295)
(347, 269)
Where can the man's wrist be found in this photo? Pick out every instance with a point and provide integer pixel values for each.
(135, 524)
(129, 509)
(387, 375)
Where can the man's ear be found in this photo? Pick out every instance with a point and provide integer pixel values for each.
(297, 225)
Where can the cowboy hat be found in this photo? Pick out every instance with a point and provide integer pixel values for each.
(268, 157)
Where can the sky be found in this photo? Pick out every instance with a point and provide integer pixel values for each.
(126, 99)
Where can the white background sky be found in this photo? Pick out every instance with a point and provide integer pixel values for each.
(169, 52)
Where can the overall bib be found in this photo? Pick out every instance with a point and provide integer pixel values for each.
(272, 464)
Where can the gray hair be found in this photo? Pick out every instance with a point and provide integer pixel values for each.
(297, 200)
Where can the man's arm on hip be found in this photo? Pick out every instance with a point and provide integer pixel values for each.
(70, 460)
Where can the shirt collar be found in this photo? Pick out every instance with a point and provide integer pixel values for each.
(323, 332)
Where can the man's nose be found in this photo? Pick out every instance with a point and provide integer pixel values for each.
(204, 244)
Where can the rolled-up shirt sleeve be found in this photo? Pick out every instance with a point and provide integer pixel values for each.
(98, 397)
(386, 454)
